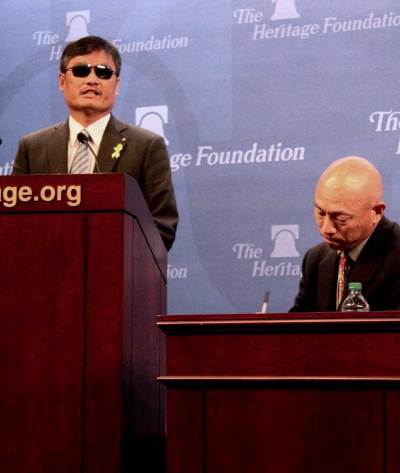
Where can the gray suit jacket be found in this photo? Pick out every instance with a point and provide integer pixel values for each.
(377, 268)
(144, 157)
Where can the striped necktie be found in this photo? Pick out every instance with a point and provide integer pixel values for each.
(81, 162)
(343, 276)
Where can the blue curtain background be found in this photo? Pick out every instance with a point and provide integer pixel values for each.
(254, 97)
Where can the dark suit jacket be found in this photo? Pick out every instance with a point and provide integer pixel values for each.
(144, 157)
(377, 268)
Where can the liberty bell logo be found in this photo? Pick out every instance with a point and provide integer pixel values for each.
(77, 22)
(285, 10)
(153, 118)
(284, 237)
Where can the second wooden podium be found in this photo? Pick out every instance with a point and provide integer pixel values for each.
(283, 393)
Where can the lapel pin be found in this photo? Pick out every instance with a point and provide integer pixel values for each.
(117, 151)
(118, 148)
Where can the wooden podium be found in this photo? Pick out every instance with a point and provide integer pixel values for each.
(82, 276)
(283, 393)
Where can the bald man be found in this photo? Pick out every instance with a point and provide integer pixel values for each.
(349, 213)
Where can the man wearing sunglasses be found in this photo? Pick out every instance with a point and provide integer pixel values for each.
(89, 79)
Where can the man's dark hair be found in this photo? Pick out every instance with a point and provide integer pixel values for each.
(87, 45)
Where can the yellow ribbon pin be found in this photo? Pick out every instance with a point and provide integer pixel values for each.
(117, 151)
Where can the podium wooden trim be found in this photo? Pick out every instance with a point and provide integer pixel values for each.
(80, 287)
(283, 392)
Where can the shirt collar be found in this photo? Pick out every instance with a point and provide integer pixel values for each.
(96, 129)
(354, 253)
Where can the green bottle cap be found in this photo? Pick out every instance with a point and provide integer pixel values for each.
(355, 286)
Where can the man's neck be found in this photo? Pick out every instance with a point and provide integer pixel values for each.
(85, 119)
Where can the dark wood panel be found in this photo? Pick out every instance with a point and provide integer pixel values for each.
(123, 359)
(294, 431)
(41, 333)
(104, 349)
(392, 402)
(299, 395)
(76, 394)
(284, 354)
(145, 355)
(111, 192)
(186, 435)
(148, 396)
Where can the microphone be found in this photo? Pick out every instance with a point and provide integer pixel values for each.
(84, 139)
(264, 306)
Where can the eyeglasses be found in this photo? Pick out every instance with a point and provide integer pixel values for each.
(83, 70)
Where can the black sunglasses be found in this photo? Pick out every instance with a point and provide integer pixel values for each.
(83, 70)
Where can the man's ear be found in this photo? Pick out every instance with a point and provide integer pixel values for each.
(380, 208)
(61, 81)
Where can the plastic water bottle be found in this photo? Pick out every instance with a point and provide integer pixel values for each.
(355, 301)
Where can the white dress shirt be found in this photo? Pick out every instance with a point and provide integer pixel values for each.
(96, 132)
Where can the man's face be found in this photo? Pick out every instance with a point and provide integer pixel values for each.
(343, 220)
(89, 97)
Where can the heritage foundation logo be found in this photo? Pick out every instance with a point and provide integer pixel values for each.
(285, 237)
(153, 118)
(261, 26)
(77, 27)
(284, 246)
(255, 154)
(77, 22)
(284, 10)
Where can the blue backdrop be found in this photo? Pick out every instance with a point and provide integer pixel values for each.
(254, 97)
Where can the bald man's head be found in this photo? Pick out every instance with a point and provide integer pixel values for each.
(348, 202)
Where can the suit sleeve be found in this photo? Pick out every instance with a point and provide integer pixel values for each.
(393, 273)
(21, 163)
(306, 298)
(395, 296)
(158, 189)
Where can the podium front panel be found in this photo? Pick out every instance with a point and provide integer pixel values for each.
(79, 349)
(283, 394)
